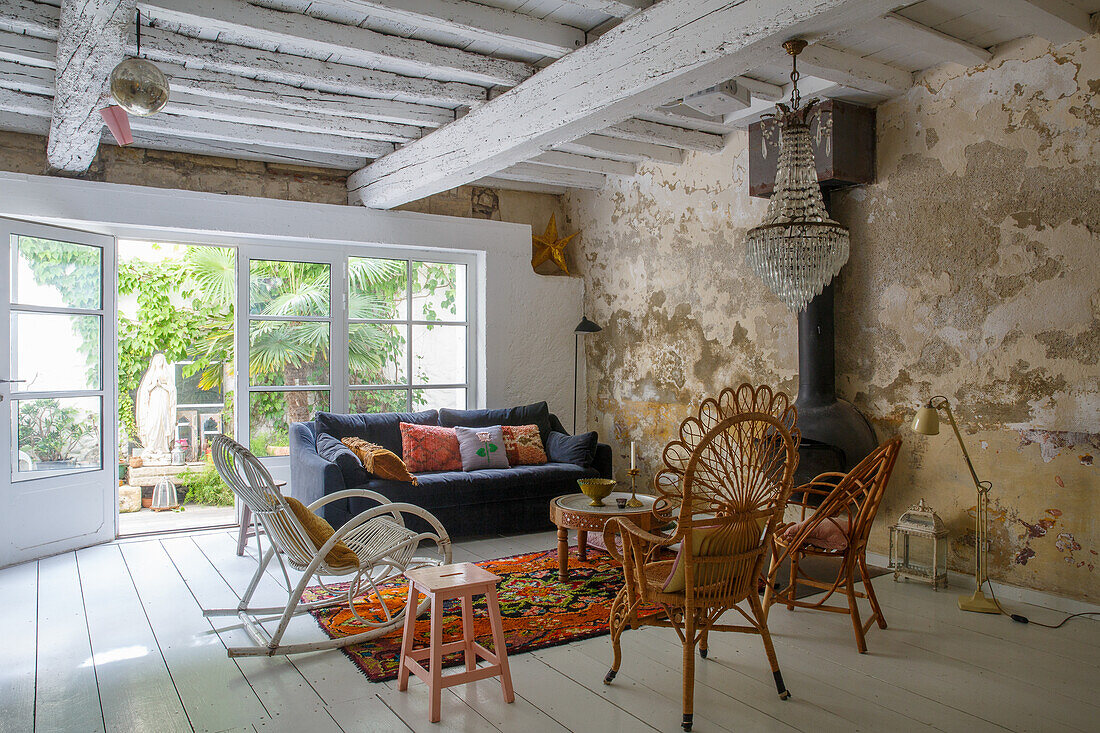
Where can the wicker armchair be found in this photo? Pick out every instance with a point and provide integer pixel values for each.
(725, 483)
(850, 501)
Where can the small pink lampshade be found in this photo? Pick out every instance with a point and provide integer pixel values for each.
(118, 123)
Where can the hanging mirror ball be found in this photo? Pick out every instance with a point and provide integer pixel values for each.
(139, 87)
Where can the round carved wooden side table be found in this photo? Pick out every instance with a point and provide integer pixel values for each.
(573, 512)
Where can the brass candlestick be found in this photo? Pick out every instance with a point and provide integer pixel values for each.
(634, 502)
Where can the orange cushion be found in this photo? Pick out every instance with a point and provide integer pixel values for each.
(430, 448)
(318, 531)
(523, 444)
(379, 461)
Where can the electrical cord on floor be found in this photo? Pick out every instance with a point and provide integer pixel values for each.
(1020, 619)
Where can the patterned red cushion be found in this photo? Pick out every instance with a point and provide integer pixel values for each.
(429, 448)
(523, 444)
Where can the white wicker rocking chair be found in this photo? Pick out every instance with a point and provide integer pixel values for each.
(384, 546)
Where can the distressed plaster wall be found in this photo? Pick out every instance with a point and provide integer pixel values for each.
(974, 274)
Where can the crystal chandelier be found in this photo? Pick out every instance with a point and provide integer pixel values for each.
(797, 249)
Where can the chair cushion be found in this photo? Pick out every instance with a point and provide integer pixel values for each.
(378, 461)
(318, 531)
(535, 414)
(382, 428)
(332, 450)
(430, 448)
(481, 447)
(827, 535)
(707, 541)
(524, 445)
(579, 450)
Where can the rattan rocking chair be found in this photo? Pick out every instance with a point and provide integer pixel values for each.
(383, 546)
(725, 482)
(851, 501)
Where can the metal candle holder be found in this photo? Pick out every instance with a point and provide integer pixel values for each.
(633, 502)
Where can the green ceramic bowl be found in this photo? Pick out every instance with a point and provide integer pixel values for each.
(596, 489)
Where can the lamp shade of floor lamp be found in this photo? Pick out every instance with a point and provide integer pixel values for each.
(927, 422)
(585, 326)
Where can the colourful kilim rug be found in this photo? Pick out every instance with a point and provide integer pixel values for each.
(538, 611)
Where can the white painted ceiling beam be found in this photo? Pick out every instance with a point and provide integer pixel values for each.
(392, 53)
(808, 86)
(491, 182)
(535, 173)
(89, 45)
(760, 89)
(571, 161)
(26, 52)
(274, 95)
(192, 105)
(614, 8)
(612, 148)
(32, 17)
(913, 35)
(476, 23)
(674, 48)
(160, 45)
(28, 49)
(1055, 20)
(675, 137)
(854, 71)
(40, 20)
(241, 151)
(38, 80)
(171, 125)
(683, 116)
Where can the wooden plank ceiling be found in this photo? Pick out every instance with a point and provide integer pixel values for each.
(419, 96)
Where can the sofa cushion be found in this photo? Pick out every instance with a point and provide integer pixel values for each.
(430, 448)
(524, 445)
(333, 451)
(481, 447)
(381, 428)
(577, 449)
(378, 461)
(465, 488)
(536, 414)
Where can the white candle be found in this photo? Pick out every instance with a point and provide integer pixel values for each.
(632, 455)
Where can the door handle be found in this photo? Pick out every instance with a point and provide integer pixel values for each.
(11, 381)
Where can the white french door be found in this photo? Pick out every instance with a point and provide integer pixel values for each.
(57, 391)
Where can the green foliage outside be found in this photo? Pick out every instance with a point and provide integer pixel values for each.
(205, 486)
(51, 432)
(185, 310)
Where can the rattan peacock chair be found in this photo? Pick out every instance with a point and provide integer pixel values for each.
(849, 502)
(725, 483)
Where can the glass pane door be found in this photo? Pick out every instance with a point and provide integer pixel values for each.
(290, 318)
(55, 301)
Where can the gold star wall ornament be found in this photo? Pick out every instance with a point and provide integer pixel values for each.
(547, 246)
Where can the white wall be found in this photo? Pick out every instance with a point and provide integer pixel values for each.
(527, 320)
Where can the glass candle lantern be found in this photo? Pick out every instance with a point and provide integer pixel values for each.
(918, 546)
(164, 496)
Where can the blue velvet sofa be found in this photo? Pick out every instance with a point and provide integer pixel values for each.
(468, 503)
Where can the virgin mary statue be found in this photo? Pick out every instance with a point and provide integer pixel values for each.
(156, 409)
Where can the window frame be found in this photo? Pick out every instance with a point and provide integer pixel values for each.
(339, 386)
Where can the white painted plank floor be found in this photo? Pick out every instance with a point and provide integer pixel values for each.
(112, 638)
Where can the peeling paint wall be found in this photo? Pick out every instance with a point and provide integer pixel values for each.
(974, 274)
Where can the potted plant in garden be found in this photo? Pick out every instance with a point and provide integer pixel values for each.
(51, 433)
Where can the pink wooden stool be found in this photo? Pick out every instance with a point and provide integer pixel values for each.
(441, 583)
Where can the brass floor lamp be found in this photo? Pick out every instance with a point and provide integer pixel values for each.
(927, 422)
